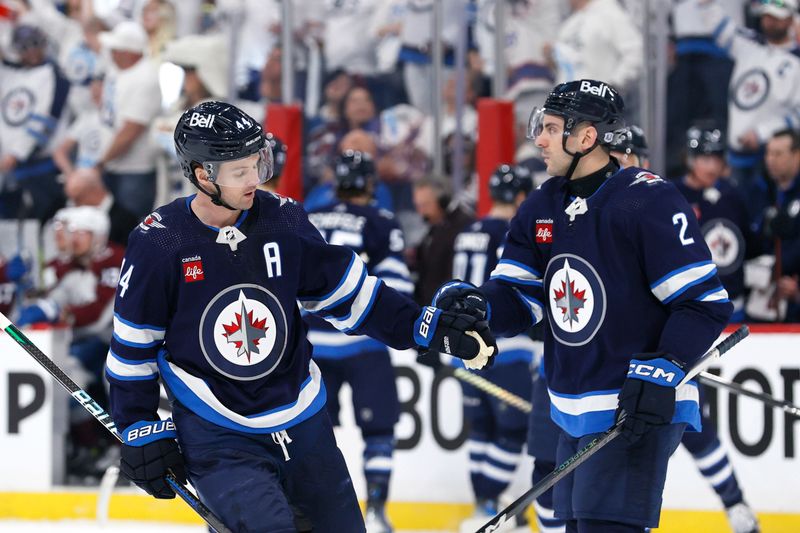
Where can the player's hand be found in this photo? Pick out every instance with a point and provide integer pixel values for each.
(459, 335)
(149, 452)
(430, 358)
(647, 397)
(462, 297)
(42, 311)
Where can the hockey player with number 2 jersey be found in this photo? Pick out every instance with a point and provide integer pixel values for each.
(207, 300)
(615, 261)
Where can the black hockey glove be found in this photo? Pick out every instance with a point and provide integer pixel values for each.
(429, 358)
(647, 397)
(462, 297)
(459, 335)
(149, 451)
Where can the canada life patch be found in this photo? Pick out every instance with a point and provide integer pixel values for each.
(544, 231)
(192, 269)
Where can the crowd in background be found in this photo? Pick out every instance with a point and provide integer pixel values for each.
(90, 93)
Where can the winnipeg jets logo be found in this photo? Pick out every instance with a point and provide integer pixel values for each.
(243, 332)
(646, 178)
(569, 299)
(246, 332)
(576, 299)
(726, 243)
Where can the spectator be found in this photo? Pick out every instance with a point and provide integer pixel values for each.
(775, 201)
(132, 100)
(698, 82)
(158, 20)
(87, 137)
(84, 186)
(599, 41)
(764, 88)
(433, 259)
(33, 95)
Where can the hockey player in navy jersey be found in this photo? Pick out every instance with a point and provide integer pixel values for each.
(615, 260)
(354, 221)
(723, 222)
(497, 431)
(208, 301)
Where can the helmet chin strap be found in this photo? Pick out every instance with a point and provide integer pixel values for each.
(216, 198)
(576, 157)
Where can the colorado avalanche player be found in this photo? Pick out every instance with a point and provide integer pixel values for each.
(631, 296)
(364, 363)
(208, 300)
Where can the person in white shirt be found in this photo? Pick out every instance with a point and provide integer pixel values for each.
(131, 101)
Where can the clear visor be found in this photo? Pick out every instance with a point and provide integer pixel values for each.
(243, 173)
(535, 123)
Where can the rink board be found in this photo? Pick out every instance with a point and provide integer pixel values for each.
(430, 485)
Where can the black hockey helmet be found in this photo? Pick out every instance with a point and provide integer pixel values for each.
(212, 133)
(705, 140)
(507, 181)
(592, 101)
(278, 154)
(354, 171)
(630, 140)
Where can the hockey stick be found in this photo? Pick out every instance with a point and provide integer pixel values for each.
(720, 383)
(103, 417)
(561, 471)
(497, 391)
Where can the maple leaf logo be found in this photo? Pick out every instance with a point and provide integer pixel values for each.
(569, 300)
(245, 333)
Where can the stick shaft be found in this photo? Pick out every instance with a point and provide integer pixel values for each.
(102, 416)
(564, 469)
(721, 383)
(479, 382)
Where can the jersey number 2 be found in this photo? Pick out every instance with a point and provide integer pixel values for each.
(680, 218)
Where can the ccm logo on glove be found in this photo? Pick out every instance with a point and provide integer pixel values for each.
(651, 371)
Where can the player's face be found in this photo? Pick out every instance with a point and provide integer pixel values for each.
(239, 179)
(549, 140)
(81, 242)
(707, 169)
(781, 161)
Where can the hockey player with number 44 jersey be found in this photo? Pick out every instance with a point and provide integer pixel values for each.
(207, 300)
(615, 261)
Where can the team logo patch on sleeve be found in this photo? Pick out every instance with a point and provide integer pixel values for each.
(153, 220)
(726, 243)
(576, 297)
(243, 332)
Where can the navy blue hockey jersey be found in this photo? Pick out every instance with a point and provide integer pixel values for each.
(374, 235)
(223, 328)
(476, 252)
(627, 272)
(725, 226)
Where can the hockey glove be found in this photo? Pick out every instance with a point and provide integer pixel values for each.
(459, 335)
(42, 311)
(149, 451)
(647, 397)
(462, 297)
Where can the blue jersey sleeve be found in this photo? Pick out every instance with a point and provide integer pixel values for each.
(140, 321)
(514, 289)
(336, 286)
(681, 274)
